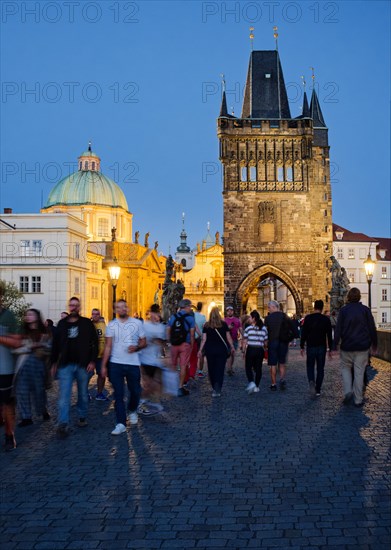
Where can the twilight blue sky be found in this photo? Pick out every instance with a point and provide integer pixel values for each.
(142, 81)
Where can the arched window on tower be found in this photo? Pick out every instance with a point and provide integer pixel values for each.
(280, 173)
(289, 173)
(253, 173)
(86, 165)
(243, 173)
(80, 165)
(183, 262)
(93, 165)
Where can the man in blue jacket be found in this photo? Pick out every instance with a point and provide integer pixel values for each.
(356, 333)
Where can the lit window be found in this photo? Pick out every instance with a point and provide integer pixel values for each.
(384, 317)
(77, 285)
(94, 292)
(94, 267)
(23, 284)
(384, 295)
(243, 173)
(103, 227)
(280, 173)
(35, 284)
(340, 253)
(253, 173)
(384, 272)
(351, 277)
(351, 253)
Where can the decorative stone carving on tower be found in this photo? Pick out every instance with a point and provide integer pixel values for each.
(276, 190)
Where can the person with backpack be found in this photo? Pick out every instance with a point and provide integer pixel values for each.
(281, 330)
(180, 333)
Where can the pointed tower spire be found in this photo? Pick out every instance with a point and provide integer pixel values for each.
(183, 246)
(223, 108)
(306, 110)
(316, 111)
(265, 95)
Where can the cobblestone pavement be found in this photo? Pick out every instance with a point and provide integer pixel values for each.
(269, 470)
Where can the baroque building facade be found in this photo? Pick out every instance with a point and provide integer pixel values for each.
(276, 191)
(66, 250)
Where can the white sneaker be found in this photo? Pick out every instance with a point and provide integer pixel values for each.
(256, 389)
(133, 417)
(250, 388)
(119, 429)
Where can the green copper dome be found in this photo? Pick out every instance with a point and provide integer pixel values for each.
(87, 187)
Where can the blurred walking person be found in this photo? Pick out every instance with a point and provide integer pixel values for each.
(217, 345)
(32, 372)
(10, 339)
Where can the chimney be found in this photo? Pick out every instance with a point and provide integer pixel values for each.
(7, 210)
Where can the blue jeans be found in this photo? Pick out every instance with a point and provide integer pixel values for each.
(131, 373)
(66, 375)
(316, 355)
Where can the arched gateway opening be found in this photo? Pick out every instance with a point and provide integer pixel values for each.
(265, 283)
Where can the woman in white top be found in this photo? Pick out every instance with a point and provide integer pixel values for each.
(255, 336)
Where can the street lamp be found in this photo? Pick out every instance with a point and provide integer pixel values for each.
(114, 272)
(369, 265)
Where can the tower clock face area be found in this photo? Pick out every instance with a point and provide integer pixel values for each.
(276, 195)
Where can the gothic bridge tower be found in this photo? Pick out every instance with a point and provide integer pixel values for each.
(277, 193)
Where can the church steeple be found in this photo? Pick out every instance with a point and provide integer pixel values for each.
(183, 247)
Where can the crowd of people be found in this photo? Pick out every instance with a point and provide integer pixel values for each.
(152, 357)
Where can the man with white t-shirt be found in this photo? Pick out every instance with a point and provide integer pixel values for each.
(125, 337)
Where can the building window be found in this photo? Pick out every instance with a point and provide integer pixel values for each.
(77, 285)
(363, 253)
(23, 284)
(93, 165)
(351, 253)
(86, 165)
(253, 173)
(280, 173)
(183, 262)
(325, 213)
(243, 173)
(94, 267)
(25, 248)
(326, 197)
(76, 251)
(340, 253)
(36, 248)
(103, 227)
(80, 165)
(384, 295)
(384, 272)
(384, 317)
(289, 173)
(94, 292)
(35, 284)
(351, 277)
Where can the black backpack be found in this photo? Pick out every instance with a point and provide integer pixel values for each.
(287, 330)
(178, 332)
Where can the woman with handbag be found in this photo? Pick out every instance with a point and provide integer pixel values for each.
(31, 368)
(254, 336)
(217, 345)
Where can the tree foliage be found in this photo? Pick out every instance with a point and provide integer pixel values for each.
(13, 299)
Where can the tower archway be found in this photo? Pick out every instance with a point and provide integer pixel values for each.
(261, 273)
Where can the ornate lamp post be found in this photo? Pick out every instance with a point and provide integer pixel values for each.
(114, 273)
(369, 265)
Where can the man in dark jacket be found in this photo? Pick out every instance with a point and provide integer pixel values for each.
(317, 333)
(74, 352)
(356, 331)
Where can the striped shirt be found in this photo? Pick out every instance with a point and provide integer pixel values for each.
(255, 336)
